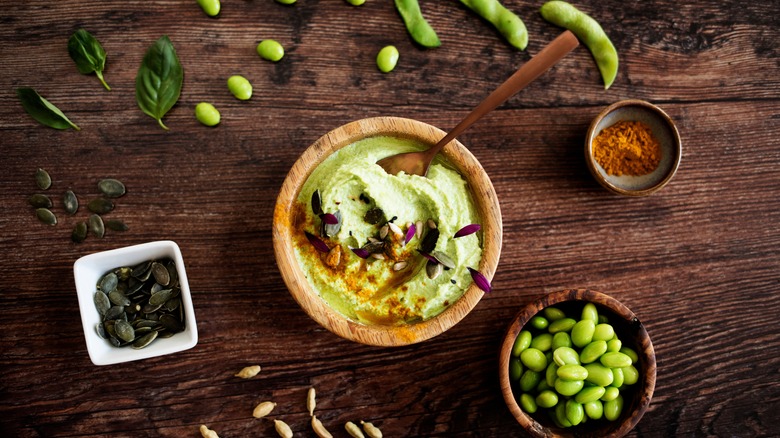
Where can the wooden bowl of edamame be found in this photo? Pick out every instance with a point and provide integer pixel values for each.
(577, 363)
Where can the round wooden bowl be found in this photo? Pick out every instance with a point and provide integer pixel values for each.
(309, 299)
(630, 331)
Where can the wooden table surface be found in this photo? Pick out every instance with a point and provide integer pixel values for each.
(698, 262)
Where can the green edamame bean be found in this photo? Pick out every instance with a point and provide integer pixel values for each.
(610, 393)
(522, 342)
(356, 2)
(387, 58)
(603, 332)
(561, 325)
(630, 375)
(561, 339)
(553, 313)
(552, 373)
(594, 409)
(539, 322)
(207, 114)
(286, 2)
(547, 399)
(240, 87)
(515, 369)
(599, 375)
(542, 386)
(270, 50)
(528, 403)
(590, 312)
(630, 353)
(614, 344)
(574, 412)
(529, 380)
(419, 29)
(572, 372)
(505, 21)
(617, 377)
(614, 359)
(603, 319)
(542, 342)
(593, 351)
(560, 414)
(589, 394)
(589, 32)
(613, 408)
(568, 387)
(582, 333)
(210, 7)
(533, 359)
(565, 355)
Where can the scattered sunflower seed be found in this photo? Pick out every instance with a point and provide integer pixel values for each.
(116, 225)
(112, 188)
(100, 205)
(395, 229)
(399, 266)
(46, 216)
(431, 224)
(283, 429)
(40, 201)
(311, 401)
(71, 202)
(263, 409)
(371, 430)
(383, 232)
(319, 429)
(205, 432)
(96, 226)
(354, 430)
(419, 229)
(378, 256)
(248, 372)
(42, 179)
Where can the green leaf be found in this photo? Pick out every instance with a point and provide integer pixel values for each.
(43, 111)
(159, 79)
(88, 54)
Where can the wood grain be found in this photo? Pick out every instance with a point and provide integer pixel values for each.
(697, 262)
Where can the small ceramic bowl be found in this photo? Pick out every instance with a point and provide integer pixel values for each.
(663, 129)
(317, 308)
(629, 330)
(88, 270)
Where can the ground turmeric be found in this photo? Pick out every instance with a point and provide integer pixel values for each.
(627, 148)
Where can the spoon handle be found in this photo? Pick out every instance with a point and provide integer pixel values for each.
(549, 56)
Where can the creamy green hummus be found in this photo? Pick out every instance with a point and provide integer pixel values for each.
(391, 287)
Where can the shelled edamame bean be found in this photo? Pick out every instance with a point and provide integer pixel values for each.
(210, 7)
(574, 369)
(270, 50)
(207, 114)
(387, 58)
(240, 87)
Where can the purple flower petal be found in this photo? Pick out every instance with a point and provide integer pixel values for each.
(480, 280)
(361, 252)
(316, 242)
(468, 229)
(410, 233)
(329, 218)
(429, 257)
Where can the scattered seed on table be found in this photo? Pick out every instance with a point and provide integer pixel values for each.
(42, 179)
(311, 401)
(111, 188)
(248, 372)
(354, 430)
(263, 409)
(46, 216)
(371, 430)
(40, 201)
(207, 433)
(71, 202)
(318, 428)
(96, 226)
(283, 429)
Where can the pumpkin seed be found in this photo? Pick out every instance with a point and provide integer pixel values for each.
(172, 304)
(160, 297)
(354, 430)
(160, 273)
(40, 201)
(101, 330)
(433, 269)
(100, 205)
(444, 259)
(71, 202)
(371, 430)
(111, 187)
(140, 269)
(108, 283)
(114, 312)
(311, 401)
(124, 330)
(102, 303)
(171, 323)
(205, 432)
(118, 298)
(116, 225)
(316, 203)
(96, 226)
(46, 216)
(283, 429)
(319, 429)
(329, 230)
(145, 340)
(248, 372)
(263, 409)
(42, 179)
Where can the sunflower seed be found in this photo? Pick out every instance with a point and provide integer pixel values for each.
(431, 224)
(419, 230)
(100, 205)
(283, 429)
(96, 226)
(205, 432)
(378, 256)
(145, 340)
(71, 202)
(111, 187)
(46, 216)
(433, 269)
(40, 201)
(42, 179)
(116, 225)
(371, 430)
(395, 229)
(354, 430)
(263, 409)
(248, 372)
(383, 232)
(319, 429)
(399, 266)
(311, 401)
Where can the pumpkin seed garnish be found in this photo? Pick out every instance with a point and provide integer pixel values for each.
(96, 226)
(101, 302)
(316, 203)
(100, 205)
(42, 179)
(40, 201)
(112, 188)
(46, 216)
(444, 259)
(71, 202)
(160, 273)
(428, 242)
(145, 340)
(329, 230)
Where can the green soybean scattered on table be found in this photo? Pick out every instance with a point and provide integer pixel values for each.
(270, 50)
(210, 7)
(387, 59)
(207, 114)
(574, 368)
(240, 87)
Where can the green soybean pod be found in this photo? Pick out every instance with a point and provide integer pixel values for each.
(613, 408)
(568, 387)
(594, 409)
(533, 359)
(539, 322)
(630, 353)
(603, 332)
(617, 377)
(553, 313)
(561, 325)
(574, 412)
(572, 372)
(560, 414)
(589, 32)
(240, 87)
(542, 342)
(419, 28)
(387, 58)
(582, 333)
(207, 114)
(614, 344)
(528, 403)
(610, 393)
(630, 375)
(547, 399)
(614, 359)
(593, 351)
(565, 355)
(515, 368)
(270, 50)
(529, 380)
(505, 21)
(589, 394)
(522, 342)
(210, 7)
(552, 373)
(590, 312)
(599, 375)
(561, 339)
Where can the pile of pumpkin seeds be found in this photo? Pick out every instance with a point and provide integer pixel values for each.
(110, 188)
(139, 304)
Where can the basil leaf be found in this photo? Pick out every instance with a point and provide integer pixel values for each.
(88, 54)
(159, 79)
(43, 111)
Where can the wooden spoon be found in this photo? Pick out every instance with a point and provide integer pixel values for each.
(417, 163)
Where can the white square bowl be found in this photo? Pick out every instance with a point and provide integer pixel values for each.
(88, 270)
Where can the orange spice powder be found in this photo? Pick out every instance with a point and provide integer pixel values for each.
(627, 148)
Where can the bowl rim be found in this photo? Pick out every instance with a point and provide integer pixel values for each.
(644, 349)
(179, 342)
(591, 162)
(486, 202)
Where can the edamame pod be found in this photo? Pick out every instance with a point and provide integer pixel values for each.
(419, 29)
(505, 21)
(589, 32)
